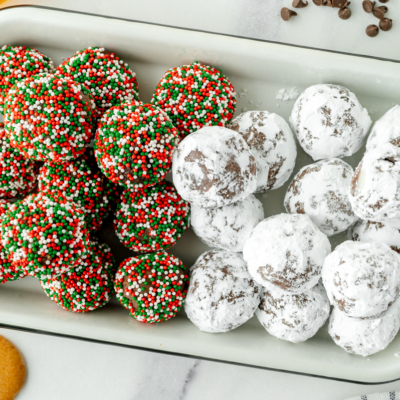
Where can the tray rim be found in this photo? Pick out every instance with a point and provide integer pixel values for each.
(99, 341)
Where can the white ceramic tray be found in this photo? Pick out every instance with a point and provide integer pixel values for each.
(258, 70)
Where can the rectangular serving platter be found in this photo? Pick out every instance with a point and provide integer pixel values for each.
(258, 70)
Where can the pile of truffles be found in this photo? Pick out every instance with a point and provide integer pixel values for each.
(78, 145)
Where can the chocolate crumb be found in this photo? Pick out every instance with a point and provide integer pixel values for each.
(372, 30)
(368, 6)
(345, 13)
(379, 12)
(299, 4)
(286, 14)
(385, 24)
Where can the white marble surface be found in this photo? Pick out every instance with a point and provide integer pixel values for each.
(69, 369)
(65, 369)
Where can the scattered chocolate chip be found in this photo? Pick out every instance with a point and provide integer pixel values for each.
(318, 2)
(379, 12)
(385, 24)
(299, 4)
(368, 6)
(372, 30)
(328, 3)
(338, 3)
(345, 13)
(286, 14)
(383, 1)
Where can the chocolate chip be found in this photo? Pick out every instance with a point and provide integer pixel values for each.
(345, 13)
(368, 6)
(318, 2)
(328, 3)
(379, 12)
(286, 14)
(339, 3)
(385, 24)
(383, 1)
(299, 4)
(372, 30)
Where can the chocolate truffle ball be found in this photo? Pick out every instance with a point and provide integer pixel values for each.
(108, 78)
(272, 143)
(362, 279)
(286, 252)
(194, 96)
(294, 317)
(49, 118)
(151, 219)
(221, 295)
(134, 144)
(386, 130)
(214, 167)
(227, 227)
(151, 286)
(376, 232)
(375, 185)
(18, 63)
(364, 336)
(329, 121)
(44, 234)
(320, 190)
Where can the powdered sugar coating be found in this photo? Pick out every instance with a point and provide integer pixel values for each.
(375, 185)
(320, 190)
(286, 252)
(376, 232)
(221, 295)
(227, 227)
(294, 317)
(272, 143)
(329, 121)
(364, 336)
(386, 130)
(214, 167)
(362, 279)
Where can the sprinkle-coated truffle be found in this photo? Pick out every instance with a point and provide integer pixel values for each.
(85, 287)
(194, 96)
(44, 234)
(152, 286)
(151, 219)
(82, 182)
(109, 79)
(134, 144)
(18, 63)
(49, 118)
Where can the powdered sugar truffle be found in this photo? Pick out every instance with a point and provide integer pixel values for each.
(364, 336)
(320, 190)
(227, 227)
(272, 143)
(329, 121)
(362, 279)
(386, 130)
(214, 167)
(375, 185)
(294, 317)
(221, 294)
(286, 252)
(377, 232)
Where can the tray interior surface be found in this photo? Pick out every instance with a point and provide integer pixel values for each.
(258, 71)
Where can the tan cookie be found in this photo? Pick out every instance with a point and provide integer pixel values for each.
(12, 370)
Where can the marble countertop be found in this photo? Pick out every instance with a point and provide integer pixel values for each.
(70, 369)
